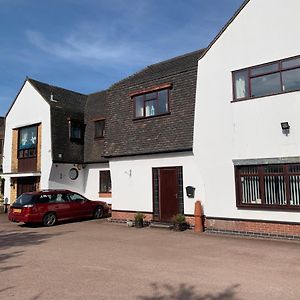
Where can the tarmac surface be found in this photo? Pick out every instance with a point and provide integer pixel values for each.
(95, 259)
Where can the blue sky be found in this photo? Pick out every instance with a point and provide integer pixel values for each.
(86, 46)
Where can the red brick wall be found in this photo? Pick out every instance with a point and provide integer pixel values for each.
(124, 216)
(253, 227)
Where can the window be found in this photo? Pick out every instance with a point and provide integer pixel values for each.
(27, 145)
(268, 79)
(76, 130)
(99, 129)
(105, 183)
(151, 104)
(1, 146)
(76, 197)
(268, 186)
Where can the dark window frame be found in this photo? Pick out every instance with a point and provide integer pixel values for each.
(279, 70)
(30, 152)
(99, 137)
(156, 99)
(80, 125)
(286, 177)
(105, 180)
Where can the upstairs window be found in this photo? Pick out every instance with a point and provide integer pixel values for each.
(27, 144)
(105, 183)
(151, 104)
(269, 79)
(76, 131)
(99, 129)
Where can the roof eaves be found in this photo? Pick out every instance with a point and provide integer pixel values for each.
(224, 28)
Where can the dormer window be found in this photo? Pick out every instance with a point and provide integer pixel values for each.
(153, 103)
(76, 130)
(99, 128)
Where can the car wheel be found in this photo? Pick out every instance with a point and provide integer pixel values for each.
(49, 219)
(98, 213)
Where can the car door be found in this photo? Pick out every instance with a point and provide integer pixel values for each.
(79, 205)
(60, 204)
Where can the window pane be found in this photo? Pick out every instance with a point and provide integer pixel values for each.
(291, 80)
(105, 182)
(291, 63)
(151, 96)
(99, 128)
(295, 189)
(76, 131)
(250, 190)
(151, 108)
(275, 193)
(28, 137)
(163, 102)
(265, 85)
(265, 69)
(139, 106)
(241, 84)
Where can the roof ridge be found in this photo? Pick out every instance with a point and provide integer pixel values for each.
(54, 86)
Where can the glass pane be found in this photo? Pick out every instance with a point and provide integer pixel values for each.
(28, 137)
(139, 106)
(75, 132)
(291, 63)
(151, 108)
(265, 85)
(250, 190)
(295, 190)
(275, 193)
(151, 96)
(105, 182)
(163, 102)
(265, 69)
(99, 128)
(273, 169)
(249, 170)
(291, 80)
(241, 84)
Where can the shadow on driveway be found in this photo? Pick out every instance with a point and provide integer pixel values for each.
(187, 292)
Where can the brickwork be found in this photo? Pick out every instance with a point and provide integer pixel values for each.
(39, 147)
(122, 216)
(253, 228)
(14, 151)
(13, 190)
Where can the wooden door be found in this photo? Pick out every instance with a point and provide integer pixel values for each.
(26, 184)
(168, 193)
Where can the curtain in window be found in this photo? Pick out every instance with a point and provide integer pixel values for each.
(28, 137)
(240, 86)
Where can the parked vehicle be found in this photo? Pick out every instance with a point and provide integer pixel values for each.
(49, 206)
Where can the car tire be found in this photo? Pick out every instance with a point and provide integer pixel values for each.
(98, 213)
(49, 219)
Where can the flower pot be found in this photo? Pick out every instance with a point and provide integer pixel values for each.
(139, 223)
(180, 226)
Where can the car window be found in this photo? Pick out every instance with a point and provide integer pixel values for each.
(76, 197)
(25, 199)
(43, 199)
(57, 198)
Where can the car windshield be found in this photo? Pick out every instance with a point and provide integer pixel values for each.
(24, 199)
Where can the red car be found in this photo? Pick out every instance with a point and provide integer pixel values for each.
(50, 206)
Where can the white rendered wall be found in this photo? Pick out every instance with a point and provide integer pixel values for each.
(132, 180)
(29, 108)
(264, 31)
(92, 182)
(59, 178)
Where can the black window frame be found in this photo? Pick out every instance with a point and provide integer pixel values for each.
(105, 181)
(101, 136)
(156, 99)
(267, 185)
(28, 152)
(280, 70)
(79, 125)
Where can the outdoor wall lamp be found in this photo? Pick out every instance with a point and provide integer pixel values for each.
(285, 126)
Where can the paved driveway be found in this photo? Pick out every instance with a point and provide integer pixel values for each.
(100, 260)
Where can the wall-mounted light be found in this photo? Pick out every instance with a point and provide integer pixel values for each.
(285, 126)
(128, 172)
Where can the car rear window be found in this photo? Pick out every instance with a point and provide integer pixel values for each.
(24, 199)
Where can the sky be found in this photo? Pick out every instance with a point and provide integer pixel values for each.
(86, 46)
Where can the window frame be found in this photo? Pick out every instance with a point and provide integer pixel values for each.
(96, 137)
(27, 152)
(107, 193)
(80, 124)
(144, 93)
(286, 174)
(280, 70)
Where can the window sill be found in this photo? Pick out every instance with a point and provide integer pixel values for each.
(268, 207)
(105, 195)
(150, 117)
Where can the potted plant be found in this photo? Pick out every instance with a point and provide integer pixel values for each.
(179, 222)
(139, 220)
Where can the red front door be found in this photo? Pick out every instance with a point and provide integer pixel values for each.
(168, 193)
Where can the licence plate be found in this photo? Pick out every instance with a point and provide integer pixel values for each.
(17, 210)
